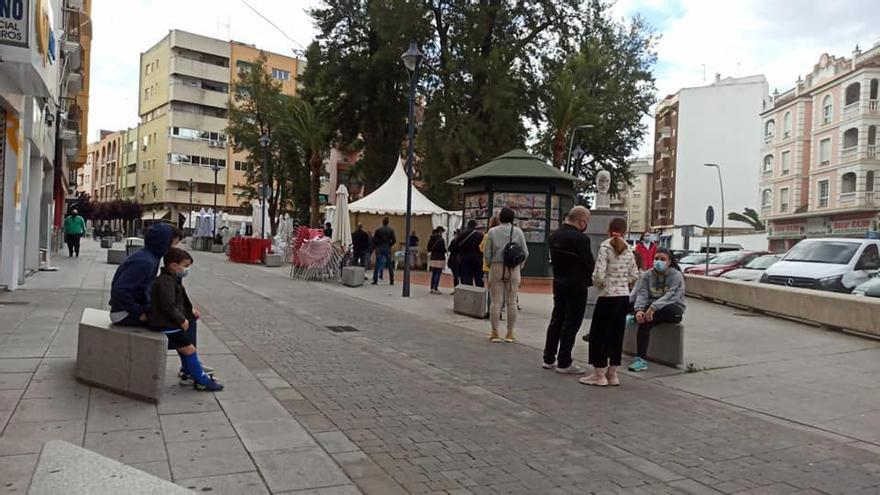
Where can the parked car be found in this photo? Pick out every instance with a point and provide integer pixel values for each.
(678, 254)
(725, 262)
(720, 247)
(871, 288)
(693, 260)
(832, 264)
(754, 269)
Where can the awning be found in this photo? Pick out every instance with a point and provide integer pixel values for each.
(156, 215)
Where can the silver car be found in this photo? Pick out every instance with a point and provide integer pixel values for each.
(754, 269)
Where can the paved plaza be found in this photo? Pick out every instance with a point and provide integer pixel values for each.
(416, 400)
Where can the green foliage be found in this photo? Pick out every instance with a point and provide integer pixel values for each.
(748, 216)
(309, 127)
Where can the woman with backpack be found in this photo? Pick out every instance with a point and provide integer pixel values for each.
(437, 256)
(615, 272)
(505, 253)
(659, 299)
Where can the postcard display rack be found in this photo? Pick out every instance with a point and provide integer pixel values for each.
(537, 214)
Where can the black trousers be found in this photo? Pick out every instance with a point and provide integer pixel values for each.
(606, 331)
(669, 314)
(569, 304)
(73, 243)
(360, 258)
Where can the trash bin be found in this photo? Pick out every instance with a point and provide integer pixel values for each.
(133, 244)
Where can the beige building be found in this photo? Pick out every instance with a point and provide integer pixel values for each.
(103, 165)
(637, 197)
(820, 163)
(183, 158)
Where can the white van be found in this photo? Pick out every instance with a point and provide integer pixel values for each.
(826, 264)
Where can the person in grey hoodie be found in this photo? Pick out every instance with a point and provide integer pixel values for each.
(659, 299)
(503, 281)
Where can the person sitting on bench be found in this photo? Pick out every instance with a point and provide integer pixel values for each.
(659, 299)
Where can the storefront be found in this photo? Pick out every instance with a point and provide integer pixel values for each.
(783, 234)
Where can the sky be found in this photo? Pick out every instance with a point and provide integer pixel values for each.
(699, 38)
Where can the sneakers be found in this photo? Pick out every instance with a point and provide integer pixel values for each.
(510, 339)
(212, 386)
(638, 365)
(548, 366)
(494, 338)
(571, 370)
(596, 379)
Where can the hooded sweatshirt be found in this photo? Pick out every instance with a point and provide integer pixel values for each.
(130, 290)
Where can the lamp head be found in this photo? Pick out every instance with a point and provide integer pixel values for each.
(412, 59)
(711, 165)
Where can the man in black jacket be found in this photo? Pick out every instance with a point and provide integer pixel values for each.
(360, 245)
(470, 256)
(383, 242)
(573, 264)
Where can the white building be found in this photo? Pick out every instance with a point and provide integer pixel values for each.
(720, 124)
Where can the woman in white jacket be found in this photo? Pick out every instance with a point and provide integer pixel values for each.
(614, 274)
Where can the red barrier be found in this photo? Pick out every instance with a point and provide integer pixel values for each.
(248, 249)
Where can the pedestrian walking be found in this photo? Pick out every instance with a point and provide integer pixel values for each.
(383, 243)
(74, 228)
(470, 256)
(437, 258)
(360, 245)
(505, 252)
(646, 248)
(615, 273)
(572, 261)
(659, 299)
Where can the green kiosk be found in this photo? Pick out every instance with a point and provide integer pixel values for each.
(540, 194)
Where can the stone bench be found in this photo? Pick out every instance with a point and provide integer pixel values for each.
(216, 248)
(272, 260)
(116, 256)
(66, 468)
(126, 360)
(666, 345)
(470, 300)
(106, 243)
(352, 276)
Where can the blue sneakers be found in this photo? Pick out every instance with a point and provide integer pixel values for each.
(638, 365)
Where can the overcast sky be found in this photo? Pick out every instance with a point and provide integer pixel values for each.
(778, 38)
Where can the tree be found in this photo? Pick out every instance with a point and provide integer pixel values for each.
(309, 126)
(749, 216)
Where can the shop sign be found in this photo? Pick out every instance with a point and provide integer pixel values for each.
(14, 22)
(787, 230)
(851, 226)
(816, 226)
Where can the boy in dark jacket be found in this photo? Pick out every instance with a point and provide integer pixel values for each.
(171, 313)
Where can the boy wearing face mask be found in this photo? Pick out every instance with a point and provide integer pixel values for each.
(659, 299)
(172, 313)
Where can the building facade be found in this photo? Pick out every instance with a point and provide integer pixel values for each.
(183, 159)
(819, 162)
(105, 164)
(44, 73)
(637, 197)
(715, 124)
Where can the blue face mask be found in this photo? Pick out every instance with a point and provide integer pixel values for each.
(184, 273)
(660, 266)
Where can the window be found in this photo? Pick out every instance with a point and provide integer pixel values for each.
(873, 91)
(281, 75)
(786, 125)
(825, 151)
(786, 162)
(766, 198)
(768, 164)
(870, 258)
(853, 92)
(197, 135)
(848, 183)
(769, 128)
(869, 181)
(243, 67)
(147, 93)
(827, 108)
(241, 166)
(850, 138)
(872, 135)
(823, 193)
(783, 199)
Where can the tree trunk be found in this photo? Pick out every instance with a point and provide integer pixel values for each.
(314, 189)
(559, 151)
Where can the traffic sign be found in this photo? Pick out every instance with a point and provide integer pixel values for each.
(710, 216)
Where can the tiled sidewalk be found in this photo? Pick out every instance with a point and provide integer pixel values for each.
(242, 440)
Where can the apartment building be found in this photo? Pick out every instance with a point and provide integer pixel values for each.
(104, 158)
(183, 157)
(637, 197)
(820, 162)
(717, 124)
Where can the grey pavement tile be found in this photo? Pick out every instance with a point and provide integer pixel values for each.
(316, 423)
(51, 409)
(9, 399)
(55, 387)
(383, 485)
(332, 490)
(299, 469)
(229, 484)
(283, 394)
(57, 368)
(179, 399)
(159, 469)
(213, 457)
(267, 409)
(335, 442)
(14, 381)
(273, 435)
(128, 446)
(19, 365)
(16, 472)
(109, 412)
(196, 426)
(28, 438)
(357, 465)
(243, 389)
(274, 383)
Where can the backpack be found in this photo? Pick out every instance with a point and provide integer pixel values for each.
(513, 253)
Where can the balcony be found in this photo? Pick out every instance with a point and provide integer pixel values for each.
(847, 199)
(871, 151)
(768, 139)
(199, 148)
(851, 109)
(848, 154)
(199, 174)
(665, 132)
(869, 198)
(874, 106)
(199, 199)
(197, 121)
(200, 96)
(201, 70)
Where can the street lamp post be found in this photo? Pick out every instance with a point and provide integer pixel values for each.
(154, 202)
(721, 185)
(571, 144)
(215, 168)
(264, 142)
(412, 59)
(190, 222)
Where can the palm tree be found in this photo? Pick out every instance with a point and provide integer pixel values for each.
(312, 131)
(748, 216)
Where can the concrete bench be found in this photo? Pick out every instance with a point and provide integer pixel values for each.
(126, 360)
(272, 259)
(106, 243)
(216, 248)
(116, 256)
(66, 468)
(353, 276)
(666, 345)
(470, 300)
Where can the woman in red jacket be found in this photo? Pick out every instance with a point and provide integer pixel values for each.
(646, 249)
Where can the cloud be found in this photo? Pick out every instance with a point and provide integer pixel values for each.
(124, 29)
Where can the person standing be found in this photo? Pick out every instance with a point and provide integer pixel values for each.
(506, 252)
(360, 245)
(437, 257)
(660, 299)
(493, 222)
(383, 243)
(615, 273)
(413, 249)
(453, 263)
(646, 248)
(470, 256)
(328, 229)
(572, 261)
(74, 228)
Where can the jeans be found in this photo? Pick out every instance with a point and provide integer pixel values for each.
(669, 314)
(73, 243)
(436, 273)
(569, 304)
(383, 258)
(606, 331)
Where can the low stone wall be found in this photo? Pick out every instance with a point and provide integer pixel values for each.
(859, 314)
